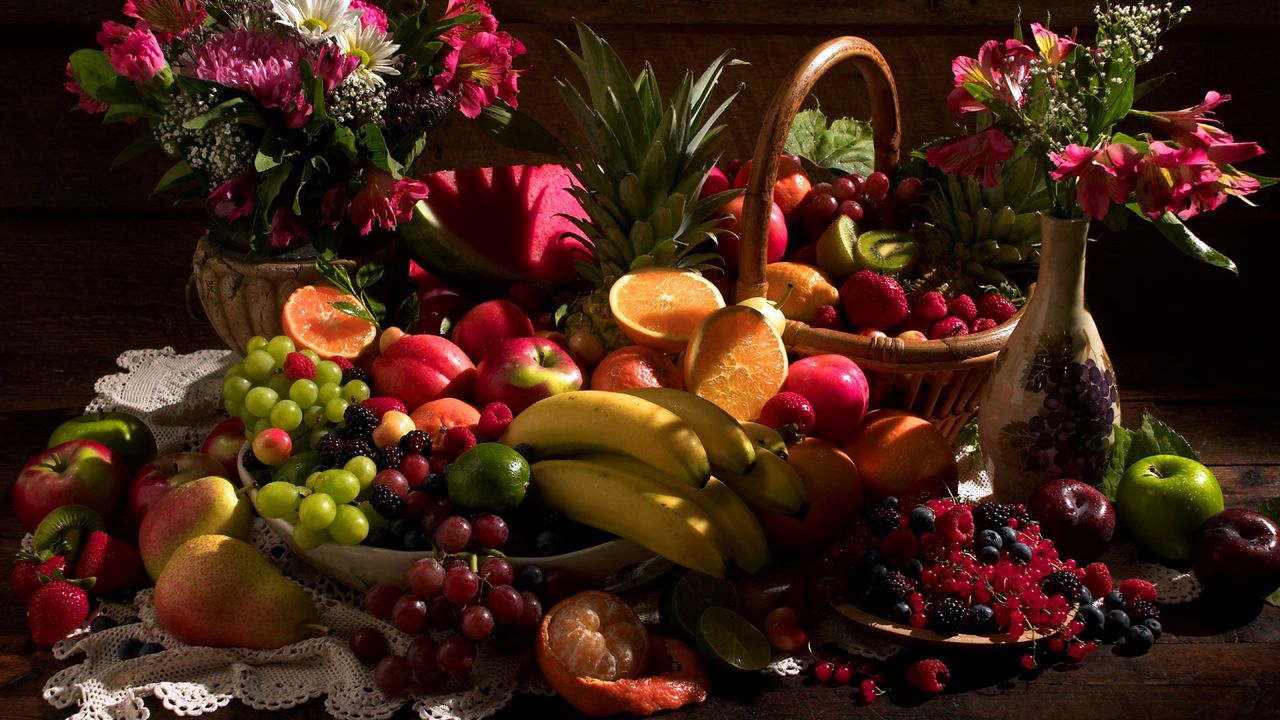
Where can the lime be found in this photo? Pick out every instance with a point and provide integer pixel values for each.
(834, 249)
(489, 476)
(730, 641)
(887, 251)
(690, 595)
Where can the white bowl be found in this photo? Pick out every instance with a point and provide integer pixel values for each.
(615, 565)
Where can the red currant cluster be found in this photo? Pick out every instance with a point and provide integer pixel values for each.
(844, 670)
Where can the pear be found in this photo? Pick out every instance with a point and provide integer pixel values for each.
(206, 506)
(218, 591)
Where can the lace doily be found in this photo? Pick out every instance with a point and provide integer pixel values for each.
(179, 396)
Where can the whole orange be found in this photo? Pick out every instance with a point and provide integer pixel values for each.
(903, 455)
(790, 188)
(832, 482)
(636, 366)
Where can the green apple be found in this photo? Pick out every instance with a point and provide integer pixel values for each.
(1162, 499)
(127, 435)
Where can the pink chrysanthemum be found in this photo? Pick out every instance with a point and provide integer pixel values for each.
(263, 65)
(85, 102)
(133, 52)
(233, 199)
(385, 200)
(480, 72)
(370, 15)
(167, 18)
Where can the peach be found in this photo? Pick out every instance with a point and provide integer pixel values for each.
(836, 388)
(487, 324)
(902, 455)
(438, 416)
(419, 368)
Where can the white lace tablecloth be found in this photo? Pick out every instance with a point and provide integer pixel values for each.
(179, 396)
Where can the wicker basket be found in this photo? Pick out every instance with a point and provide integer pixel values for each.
(940, 380)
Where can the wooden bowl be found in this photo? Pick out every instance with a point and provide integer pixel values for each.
(908, 635)
(615, 565)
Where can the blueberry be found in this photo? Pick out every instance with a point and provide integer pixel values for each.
(529, 577)
(878, 573)
(921, 520)
(1019, 552)
(547, 543)
(436, 485)
(889, 501)
(1117, 624)
(1154, 626)
(1113, 601)
(1086, 597)
(981, 617)
(900, 613)
(1008, 535)
(129, 648)
(1139, 638)
(102, 622)
(400, 526)
(912, 567)
(414, 540)
(1093, 618)
(989, 555)
(150, 649)
(989, 538)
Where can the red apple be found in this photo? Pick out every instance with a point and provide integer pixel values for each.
(731, 230)
(522, 371)
(420, 368)
(487, 324)
(716, 182)
(77, 472)
(223, 443)
(166, 472)
(438, 308)
(1075, 516)
(836, 388)
(1237, 552)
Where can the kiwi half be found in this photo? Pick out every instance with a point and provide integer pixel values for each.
(65, 530)
(887, 251)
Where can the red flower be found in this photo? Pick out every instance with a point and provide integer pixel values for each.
(978, 155)
(1003, 70)
(233, 199)
(385, 200)
(458, 36)
(480, 72)
(1103, 175)
(370, 14)
(85, 102)
(133, 52)
(1193, 126)
(286, 231)
(1054, 48)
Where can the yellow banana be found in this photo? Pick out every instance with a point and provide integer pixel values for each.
(728, 446)
(592, 421)
(766, 437)
(747, 543)
(771, 485)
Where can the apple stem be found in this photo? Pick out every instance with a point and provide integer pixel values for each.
(315, 629)
(1155, 471)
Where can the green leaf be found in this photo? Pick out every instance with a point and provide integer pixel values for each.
(518, 131)
(353, 310)
(271, 152)
(1117, 464)
(1153, 437)
(1274, 598)
(137, 147)
(1263, 180)
(1182, 238)
(120, 112)
(92, 70)
(336, 275)
(180, 172)
(370, 138)
(846, 145)
(269, 188)
(1145, 87)
(1119, 102)
(237, 108)
(368, 274)
(407, 315)
(1270, 508)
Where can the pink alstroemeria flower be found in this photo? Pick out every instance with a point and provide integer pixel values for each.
(978, 155)
(1002, 68)
(86, 103)
(1193, 126)
(370, 15)
(1054, 48)
(334, 67)
(286, 231)
(385, 200)
(134, 53)
(1103, 176)
(458, 37)
(1233, 152)
(480, 72)
(233, 199)
(168, 18)
(1168, 177)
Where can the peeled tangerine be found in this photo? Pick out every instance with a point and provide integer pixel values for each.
(218, 591)
(594, 651)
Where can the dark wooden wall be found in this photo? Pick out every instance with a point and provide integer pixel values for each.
(87, 257)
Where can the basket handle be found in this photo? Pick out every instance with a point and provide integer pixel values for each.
(886, 135)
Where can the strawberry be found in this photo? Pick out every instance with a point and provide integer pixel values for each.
(494, 419)
(380, 406)
(982, 324)
(788, 408)
(113, 563)
(963, 307)
(871, 300)
(950, 326)
(55, 609)
(931, 306)
(25, 575)
(996, 307)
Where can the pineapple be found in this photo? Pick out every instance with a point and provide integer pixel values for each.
(639, 165)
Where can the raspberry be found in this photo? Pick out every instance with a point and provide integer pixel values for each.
(931, 306)
(1064, 583)
(955, 526)
(1097, 577)
(982, 324)
(386, 502)
(1140, 610)
(873, 300)
(457, 440)
(494, 420)
(353, 374)
(330, 449)
(1138, 590)
(299, 367)
(883, 520)
(788, 408)
(827, 317)
(928, 676)
(380, 406)
(416, 442)
(360, 420)
(948, 327)
(342, 363)
(992, 305)
(388, 458)
(962, 306)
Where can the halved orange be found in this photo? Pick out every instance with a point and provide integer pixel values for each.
(660, 307)
(736, 360)
(312, 323)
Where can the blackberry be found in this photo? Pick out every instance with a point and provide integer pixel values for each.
(386, 502)
(360, 420)
(947, 615)
(355, 373)
(1019, 513)
(883, 519)
(355, 448)
(330, 449)
(1064, 583)
(991, 516)
(891, 589)
(388, 458)
(416, 442)
(1140, 610)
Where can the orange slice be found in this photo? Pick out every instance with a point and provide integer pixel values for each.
(736, 360)
(594, 651)
(660, 307)
(312, 323)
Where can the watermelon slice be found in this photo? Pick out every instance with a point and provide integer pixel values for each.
(499, 223)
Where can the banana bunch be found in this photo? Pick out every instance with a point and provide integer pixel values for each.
(663, 468)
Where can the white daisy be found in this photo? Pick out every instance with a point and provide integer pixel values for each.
(317, 20)
(374, 48)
